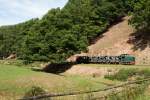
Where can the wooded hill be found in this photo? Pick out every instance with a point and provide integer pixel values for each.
(67, 31)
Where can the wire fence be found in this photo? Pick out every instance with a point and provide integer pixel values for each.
(85, 92)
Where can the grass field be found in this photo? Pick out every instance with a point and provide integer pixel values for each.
(15, 81)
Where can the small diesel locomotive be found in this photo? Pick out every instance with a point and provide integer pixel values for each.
(124, 59)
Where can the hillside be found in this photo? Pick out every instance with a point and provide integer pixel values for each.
(60, 33)
(121, 38)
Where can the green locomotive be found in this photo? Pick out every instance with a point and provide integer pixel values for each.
(122, 59)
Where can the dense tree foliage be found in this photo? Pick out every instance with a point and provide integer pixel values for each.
(11, 37)
(141, 15)
(62, 32)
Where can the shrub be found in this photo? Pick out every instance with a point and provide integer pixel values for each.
(35, 91)
(122, 75)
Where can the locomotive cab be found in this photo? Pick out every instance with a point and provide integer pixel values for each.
(127, 59)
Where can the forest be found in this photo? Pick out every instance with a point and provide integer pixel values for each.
(63, 32)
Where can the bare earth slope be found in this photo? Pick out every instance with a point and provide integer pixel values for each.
(121, 38)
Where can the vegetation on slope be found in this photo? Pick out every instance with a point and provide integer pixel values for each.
(141, 13)
(15, 81)
(62, 32)
(125, 74)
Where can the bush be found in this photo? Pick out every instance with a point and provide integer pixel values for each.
(122, 75)
(145, 73)
(35, 91)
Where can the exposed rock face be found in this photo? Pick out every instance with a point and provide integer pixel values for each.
(12, 56)
(74, 57)
(122, 39)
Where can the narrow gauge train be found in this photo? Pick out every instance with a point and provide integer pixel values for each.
(122, 59)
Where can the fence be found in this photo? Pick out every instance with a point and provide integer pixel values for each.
(86, 92)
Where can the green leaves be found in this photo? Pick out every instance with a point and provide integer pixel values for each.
(140, 15)
(61, 32)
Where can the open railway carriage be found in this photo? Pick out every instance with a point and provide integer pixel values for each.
(122, 59)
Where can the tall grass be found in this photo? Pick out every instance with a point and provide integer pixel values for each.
(125, 74)
(129, 93)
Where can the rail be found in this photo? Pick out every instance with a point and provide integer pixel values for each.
(84, 92)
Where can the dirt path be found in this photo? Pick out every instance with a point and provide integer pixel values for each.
(93, 71)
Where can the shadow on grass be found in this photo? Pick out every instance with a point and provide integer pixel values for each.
(56, 68)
